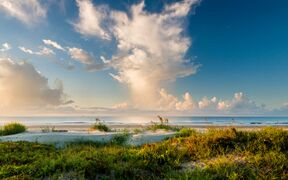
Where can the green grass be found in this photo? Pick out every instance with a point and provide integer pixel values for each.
(185, 132)
(215, 154)
(12, 128)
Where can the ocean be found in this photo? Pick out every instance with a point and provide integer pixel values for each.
(145, 120)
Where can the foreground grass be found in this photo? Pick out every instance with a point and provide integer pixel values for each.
(215, 154)
(12, 128)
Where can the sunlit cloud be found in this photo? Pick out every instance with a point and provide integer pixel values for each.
(90, 22)
(143, 62)
(26, 11)
(23, 87)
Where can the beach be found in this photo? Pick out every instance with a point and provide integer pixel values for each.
(65, 134)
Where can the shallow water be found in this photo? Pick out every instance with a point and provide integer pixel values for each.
(144, 120)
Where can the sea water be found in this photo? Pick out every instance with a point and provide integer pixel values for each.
(145, 120)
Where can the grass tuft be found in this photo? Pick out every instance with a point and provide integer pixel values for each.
(163, 124)
(100, 126)
(12, 128)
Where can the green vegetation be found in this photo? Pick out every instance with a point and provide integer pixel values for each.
(12, 128)
(215, 154)
(185, 132)
(100, 126)
(163, 124)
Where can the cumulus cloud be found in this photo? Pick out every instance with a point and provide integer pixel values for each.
(23, 87)
(26, 11)
(206, 103)
(169, 102)
(53, 44)
(240, 105)
(44, 51)
(90, 22)
(151, 46)
(5, 47)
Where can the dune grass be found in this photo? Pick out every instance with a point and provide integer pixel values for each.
(215, 154)
(12, 128)
(100, 126)
(163, 124)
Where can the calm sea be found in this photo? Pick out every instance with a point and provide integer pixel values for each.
(144, 120)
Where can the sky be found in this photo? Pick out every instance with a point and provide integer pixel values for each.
(186, 57)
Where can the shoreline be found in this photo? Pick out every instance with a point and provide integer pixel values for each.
(139, 126)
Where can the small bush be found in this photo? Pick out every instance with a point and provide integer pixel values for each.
(120, 139)
(185, 132)
(12, 128)
(100, 126)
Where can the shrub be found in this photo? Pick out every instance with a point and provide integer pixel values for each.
(185, 132)
(120, 139)
(12, 128)
(100, 126)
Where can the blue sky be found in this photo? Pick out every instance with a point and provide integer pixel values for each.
(206, 57)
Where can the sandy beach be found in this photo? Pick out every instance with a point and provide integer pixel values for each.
(78, 133)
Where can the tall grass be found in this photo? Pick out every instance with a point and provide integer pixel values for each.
(163, 124)
(12, 128)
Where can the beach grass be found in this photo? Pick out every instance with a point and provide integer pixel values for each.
(100, 126)
(163, 124)
(12, 128)
(213, 154)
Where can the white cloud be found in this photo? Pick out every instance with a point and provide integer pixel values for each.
(5, 47)
(27, 11)
(44, 51)
(85, 58)
(53, 44)
(240, 104)
(151, 46)
(26, 50)
(23, 87)
(168, 102)
(80, 55)
(151, 50)
(223, 105)
(206, 103)
(90, 22)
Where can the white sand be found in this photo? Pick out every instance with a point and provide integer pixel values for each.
(60, 139)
